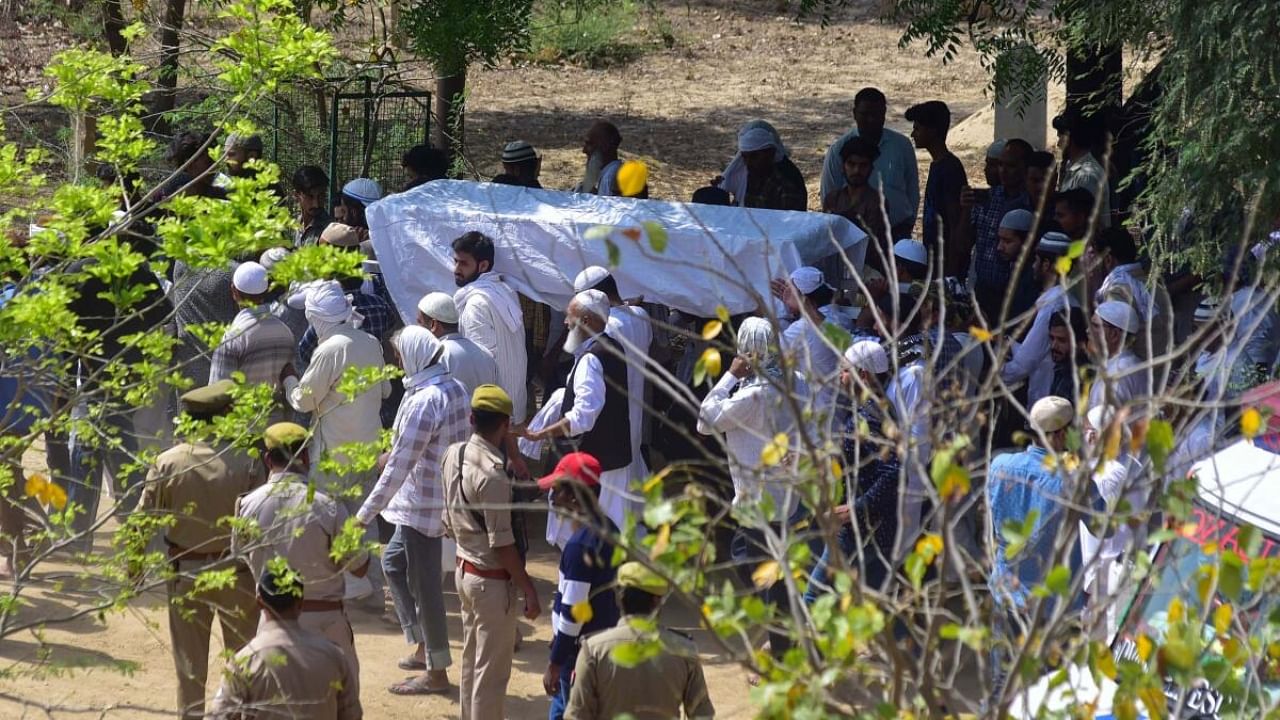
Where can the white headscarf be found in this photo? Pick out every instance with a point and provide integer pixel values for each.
(735, 174)
(419, 355)
(327, 307)
(758, 339)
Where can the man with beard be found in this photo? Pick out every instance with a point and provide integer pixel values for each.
(601, 148)
(1121, 379)
(595, 417)
(1068, 338)
(1031, 358)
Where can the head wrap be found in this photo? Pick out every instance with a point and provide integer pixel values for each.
(868, 355)
(735, 173)
(995, 148)
(250, 278)
(439, 306)
(419, 355)
(807, 279)
(755, 139)
(363, 190)
(327, 307)
(589, 278)
(1119, 314)
(272, 256)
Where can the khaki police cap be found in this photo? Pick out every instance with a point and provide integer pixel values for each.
(636, 575)
(491, 398)
(284, 436)
(209, 398)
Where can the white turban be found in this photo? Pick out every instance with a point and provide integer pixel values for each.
(327, 307)
(417, 348)
(593, 302)
(756, 337)
(756, 138)
(735, 173)
(589, 278)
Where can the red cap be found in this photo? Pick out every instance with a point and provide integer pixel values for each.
(580, 466)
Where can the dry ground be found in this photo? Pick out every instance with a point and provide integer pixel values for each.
(679, 110)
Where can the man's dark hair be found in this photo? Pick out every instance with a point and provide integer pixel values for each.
(487, 421)
(1078, 200)
(1085, 133)
(711, 195)
(426, 162)
(1025, 151)
(309, 177)
(822, 296)
(860, 147)
(1118, 243)
(1042, 159)
(476, 244)
(1075, 319)
(279, 597)
(282, 457)
(635, 601)
(505, 179)
(871, 95)
(612, 134)
(918, 271)
(185, 145)
(608, 286)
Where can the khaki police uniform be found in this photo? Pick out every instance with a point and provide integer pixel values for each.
(288, 671)
(196, 483)
(476, 516)
(656, 689)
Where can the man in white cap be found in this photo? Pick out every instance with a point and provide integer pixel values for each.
(1011, 239)
(339, 419)
(1121, 381)
(630, 326)
(409, 494)
(770, 185)
(807, 298)
(1031, 359)
(897, 175)
(748, 405)
(869, 516)
(257, 343)
(1019, 485)
(466, 361)
(595, 416)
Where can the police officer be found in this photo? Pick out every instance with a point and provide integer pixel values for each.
(196, 482)
(657, 688)
(286, 669)
(289, 520)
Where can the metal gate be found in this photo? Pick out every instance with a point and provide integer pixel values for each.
(353, 127)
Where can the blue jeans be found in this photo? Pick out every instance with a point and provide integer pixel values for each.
(874, 570)
(411, 562)
(560, 700)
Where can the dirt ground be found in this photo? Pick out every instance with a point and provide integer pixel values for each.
(679, 110)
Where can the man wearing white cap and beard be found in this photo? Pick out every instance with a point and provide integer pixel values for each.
(769, 184)
(629, 325)
(595, 416)
(257, 343)
(1121, 381)
(466, 361)
(808, 297)
(337, 418)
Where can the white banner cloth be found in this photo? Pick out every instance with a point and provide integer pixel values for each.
(714, 255)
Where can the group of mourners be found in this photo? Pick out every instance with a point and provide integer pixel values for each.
(469, 413)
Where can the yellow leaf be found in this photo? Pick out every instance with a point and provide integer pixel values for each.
(662, 541)
(928, 546)
(632, 178)
(1145, 646)
(980, 334)
(35, 485)
(766, 573)
(846, 600)
(711, 362)
(1222, 618)
(722, 313)
(836, 470)
(1111, 446)
(1063, 265)
(582, 612)
(1106, 664)
(955, 482)
(706, 610)
(57, 497)
(775, 450)
(1250, 422)
(711, 329)
(1177, 611)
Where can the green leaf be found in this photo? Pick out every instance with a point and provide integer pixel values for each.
(657, 235)
(631, 654)
(1159, 443)
(837, 336)
(615, 255)
(1059, 581)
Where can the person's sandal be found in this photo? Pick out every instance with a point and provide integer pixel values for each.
(418, 686)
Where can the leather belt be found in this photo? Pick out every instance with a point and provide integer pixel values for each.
(321, 605)
(177, 552)
(470, 567)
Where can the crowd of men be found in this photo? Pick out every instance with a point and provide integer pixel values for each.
(477, 403)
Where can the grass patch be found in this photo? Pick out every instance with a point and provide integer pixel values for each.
(595, 33)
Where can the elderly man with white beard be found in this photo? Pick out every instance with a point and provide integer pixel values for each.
(337, 418)
(594, 412)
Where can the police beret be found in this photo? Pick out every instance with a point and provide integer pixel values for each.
(209, 398)
(491, 398)
(636, 575)
(284, 436)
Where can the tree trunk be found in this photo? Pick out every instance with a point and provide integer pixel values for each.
(174, 13)
(1095, 82)
(447, 128)
(112, 25)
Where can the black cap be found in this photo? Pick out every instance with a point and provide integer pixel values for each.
(933, 113)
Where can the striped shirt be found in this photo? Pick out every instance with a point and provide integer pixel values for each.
(587, 575)
(257, 344)
(409, 491)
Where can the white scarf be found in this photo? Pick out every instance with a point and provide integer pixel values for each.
(499, 294)
(419, 356)
(735, 173)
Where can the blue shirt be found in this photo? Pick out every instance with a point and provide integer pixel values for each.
(896, 175)
(587, 574)
(1017, 485)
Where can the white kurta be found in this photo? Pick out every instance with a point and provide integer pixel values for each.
(1127, 384)
(813, 356)
(1124, 282)
(1253, 328)
(484, 309)
(911, 408)
(339, 419)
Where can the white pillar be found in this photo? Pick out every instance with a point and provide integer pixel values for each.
(1022, 112)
